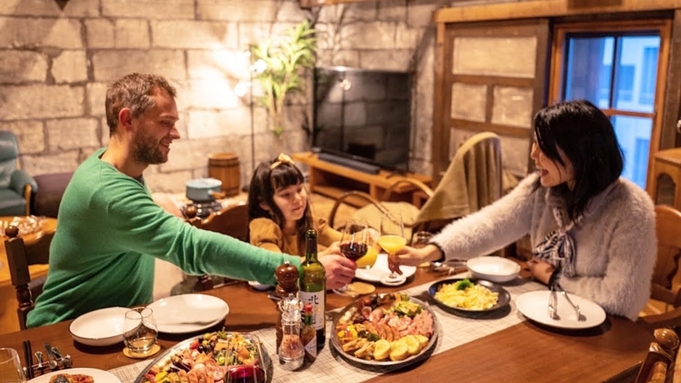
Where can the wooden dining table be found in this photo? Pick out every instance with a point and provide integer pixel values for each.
(524, 352)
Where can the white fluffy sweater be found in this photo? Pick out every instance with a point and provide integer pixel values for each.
(616, 244)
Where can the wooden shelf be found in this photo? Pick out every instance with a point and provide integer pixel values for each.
(333, 180)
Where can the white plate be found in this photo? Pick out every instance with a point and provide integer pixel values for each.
(534, 305)
(99, 376)
(185, 313)
(103, 327)
(380, 271)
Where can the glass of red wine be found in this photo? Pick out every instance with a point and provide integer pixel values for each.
(354, 245)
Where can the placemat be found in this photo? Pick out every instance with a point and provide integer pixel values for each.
(331, 367)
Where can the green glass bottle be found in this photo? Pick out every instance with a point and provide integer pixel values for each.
(313, 286)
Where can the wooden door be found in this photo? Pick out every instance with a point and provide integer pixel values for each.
(490, 76)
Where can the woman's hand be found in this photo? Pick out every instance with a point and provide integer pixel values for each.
(339, 270)
(540, 270)
(411, 256)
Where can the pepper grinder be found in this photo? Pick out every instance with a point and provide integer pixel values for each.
(287, 284)
(291, 351)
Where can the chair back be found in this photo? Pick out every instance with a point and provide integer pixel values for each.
(667, 224)
(22, 253)
(473, 180)
(232, 221)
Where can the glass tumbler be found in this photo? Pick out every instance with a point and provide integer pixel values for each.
(421, 239)
(10, 367)
(139, 330)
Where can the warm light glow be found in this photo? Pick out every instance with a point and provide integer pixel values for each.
(242, 87)
(259, 66)
(346, 84)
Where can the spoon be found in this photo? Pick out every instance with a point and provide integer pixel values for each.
(667, 338)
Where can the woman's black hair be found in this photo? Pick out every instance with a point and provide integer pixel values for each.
(265, 182)
(587, 139)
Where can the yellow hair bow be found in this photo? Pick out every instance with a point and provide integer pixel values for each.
(282, 159)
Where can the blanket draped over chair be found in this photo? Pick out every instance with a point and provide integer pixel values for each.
(473, 180)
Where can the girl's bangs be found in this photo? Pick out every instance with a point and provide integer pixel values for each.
(284, 176)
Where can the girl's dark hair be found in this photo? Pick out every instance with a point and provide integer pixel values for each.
(264, 184)
(587, 138)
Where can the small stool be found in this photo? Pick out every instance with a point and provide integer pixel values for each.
(666, 163)
(50, 191)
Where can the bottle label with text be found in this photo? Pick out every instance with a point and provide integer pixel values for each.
(317, 300)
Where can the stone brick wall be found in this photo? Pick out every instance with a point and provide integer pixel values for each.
(55, 64)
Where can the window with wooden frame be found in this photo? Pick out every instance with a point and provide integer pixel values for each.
(621, 67)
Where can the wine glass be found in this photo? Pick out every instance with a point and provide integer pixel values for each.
(368, 260)
(354, 244)
(392, 240)
(10, 367)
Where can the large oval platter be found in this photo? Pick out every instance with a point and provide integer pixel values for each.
(253, 364)
(504, 298)
(350, 311)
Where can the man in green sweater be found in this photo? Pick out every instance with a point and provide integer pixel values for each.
(110, 229)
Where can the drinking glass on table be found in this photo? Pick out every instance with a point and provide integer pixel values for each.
(392, 238)
(355, 244)
(10, 367)
(139, 330)
(421, 239)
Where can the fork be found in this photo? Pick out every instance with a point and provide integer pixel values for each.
(553, 304)
(574, 306)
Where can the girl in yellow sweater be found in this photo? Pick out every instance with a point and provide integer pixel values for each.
(280, 214)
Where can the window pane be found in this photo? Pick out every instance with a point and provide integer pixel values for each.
(635, 73)
(633, 134)
(588, 70)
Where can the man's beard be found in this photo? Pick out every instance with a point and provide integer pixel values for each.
(146, 150)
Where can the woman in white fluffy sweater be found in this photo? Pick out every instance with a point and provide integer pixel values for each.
(591, 230)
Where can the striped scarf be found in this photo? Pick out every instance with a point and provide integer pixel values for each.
(558, 247)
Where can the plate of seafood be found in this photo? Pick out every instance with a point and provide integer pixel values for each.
(214, 356)
(77, 375)
(385, 330)
(468, 295)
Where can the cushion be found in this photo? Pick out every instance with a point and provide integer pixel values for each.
(50, 191)
(11, 203)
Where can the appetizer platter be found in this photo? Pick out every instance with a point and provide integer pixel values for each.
(468, 296)
(219, 356)
(385, 330)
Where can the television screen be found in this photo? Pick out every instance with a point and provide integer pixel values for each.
(364, 115)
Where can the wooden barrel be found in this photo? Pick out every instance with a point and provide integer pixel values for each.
(225, 167)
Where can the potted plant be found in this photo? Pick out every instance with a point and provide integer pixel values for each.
(279, 65)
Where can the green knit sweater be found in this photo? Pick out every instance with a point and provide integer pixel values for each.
(109, 231)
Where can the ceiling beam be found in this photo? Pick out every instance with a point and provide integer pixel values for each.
(548, 8)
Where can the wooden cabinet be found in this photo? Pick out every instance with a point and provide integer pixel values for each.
(333, 180)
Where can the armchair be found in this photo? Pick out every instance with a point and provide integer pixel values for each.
(16, 186)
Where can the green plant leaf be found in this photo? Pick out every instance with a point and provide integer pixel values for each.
(285, 59)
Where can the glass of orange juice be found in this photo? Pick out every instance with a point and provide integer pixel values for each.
(392, 237)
